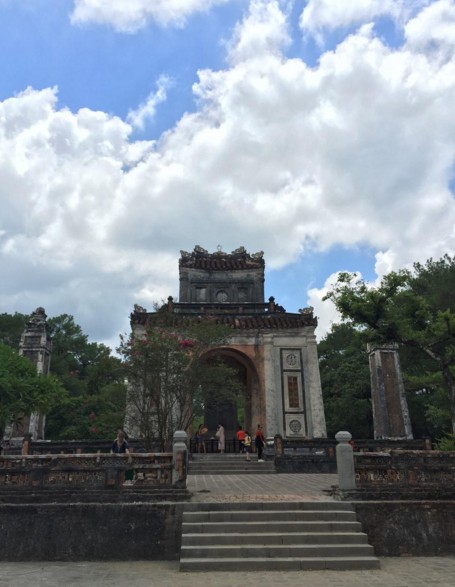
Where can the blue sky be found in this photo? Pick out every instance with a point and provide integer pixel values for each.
(321, 134)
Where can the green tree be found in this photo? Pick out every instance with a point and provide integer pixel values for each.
(95, 405)
(11, 328)
(345, 380)
(22, 391)
(171, 374)
(414, 308)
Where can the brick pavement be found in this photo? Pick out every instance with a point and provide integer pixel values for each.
(394, 572)
(283, 487)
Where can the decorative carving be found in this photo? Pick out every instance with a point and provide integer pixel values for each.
(258, 255)
(139, 309)
(200, 250)
(239, 251)
(291, 359)
(295, 426)
(222, 296)
(306, 311)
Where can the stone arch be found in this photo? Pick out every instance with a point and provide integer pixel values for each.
(252, 392)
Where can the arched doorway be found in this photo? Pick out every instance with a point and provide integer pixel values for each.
(234, 410)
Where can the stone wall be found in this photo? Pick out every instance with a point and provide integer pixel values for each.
(417, 528)
(83, 532)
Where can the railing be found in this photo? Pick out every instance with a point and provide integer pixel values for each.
(326, 446)
(304, 446)
(211, 445)
(387, 444)
(87, 470)
(69, 447)
(401, 468)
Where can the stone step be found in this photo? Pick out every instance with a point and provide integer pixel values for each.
(269, 505)
(269, 516)
(231, 472)
(229, 465)
(270, 526)
(280, 564)
(201, 539)
(273, 536)
(276, 550)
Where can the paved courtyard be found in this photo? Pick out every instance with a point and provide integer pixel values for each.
(283, 487)
(394, 572)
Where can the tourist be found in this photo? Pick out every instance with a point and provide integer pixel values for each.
(221, 438)
(241, 438)
(259, 442)
(120, 445)
(247, 444)
(200, 444)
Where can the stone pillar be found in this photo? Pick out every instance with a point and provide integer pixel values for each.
(278, 445)
(318, 426)
(390, 408)
(345, 461)
(180, 459)
(35, 345)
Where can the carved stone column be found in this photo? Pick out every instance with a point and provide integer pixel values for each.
(36, 346)
(390, 408)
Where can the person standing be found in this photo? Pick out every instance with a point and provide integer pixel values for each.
(200, 444)
(120, 445)
(221, 438)
(241, 438)
(247, 443)
(259, 442)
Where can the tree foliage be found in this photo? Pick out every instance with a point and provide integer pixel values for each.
(11, 328)
(171, 375)
(95, 405)
(416, 309)
(345, 380)
(22, 390)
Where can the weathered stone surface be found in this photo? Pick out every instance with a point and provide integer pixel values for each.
(390, 409)
(418, 528)
(76, 532)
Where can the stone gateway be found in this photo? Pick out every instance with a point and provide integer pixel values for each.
(274, 351)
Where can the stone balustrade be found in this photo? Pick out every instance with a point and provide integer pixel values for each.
(401, 468)
(87, 470)
(394, 474)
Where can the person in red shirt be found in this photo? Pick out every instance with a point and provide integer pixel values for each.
(259, 441)
(241, 438)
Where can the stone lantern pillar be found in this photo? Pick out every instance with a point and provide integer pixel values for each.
(390, 408)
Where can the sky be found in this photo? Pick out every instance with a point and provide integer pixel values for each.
(321, 132)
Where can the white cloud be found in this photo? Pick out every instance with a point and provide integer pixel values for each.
(147, 109)
(327, 15)
(433, 29)
(325, 310)
(263, 32)
(278, 157)
(131, 15)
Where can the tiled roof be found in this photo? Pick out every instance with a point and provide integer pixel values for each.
(266, 321)
(220, 260)
(220, 263)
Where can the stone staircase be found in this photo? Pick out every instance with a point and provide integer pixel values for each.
(228, 464)
(273, 536)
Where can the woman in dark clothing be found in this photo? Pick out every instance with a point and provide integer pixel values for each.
(120, 445)
(259, 441)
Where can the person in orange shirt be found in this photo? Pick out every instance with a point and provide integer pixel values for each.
(241, 438)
